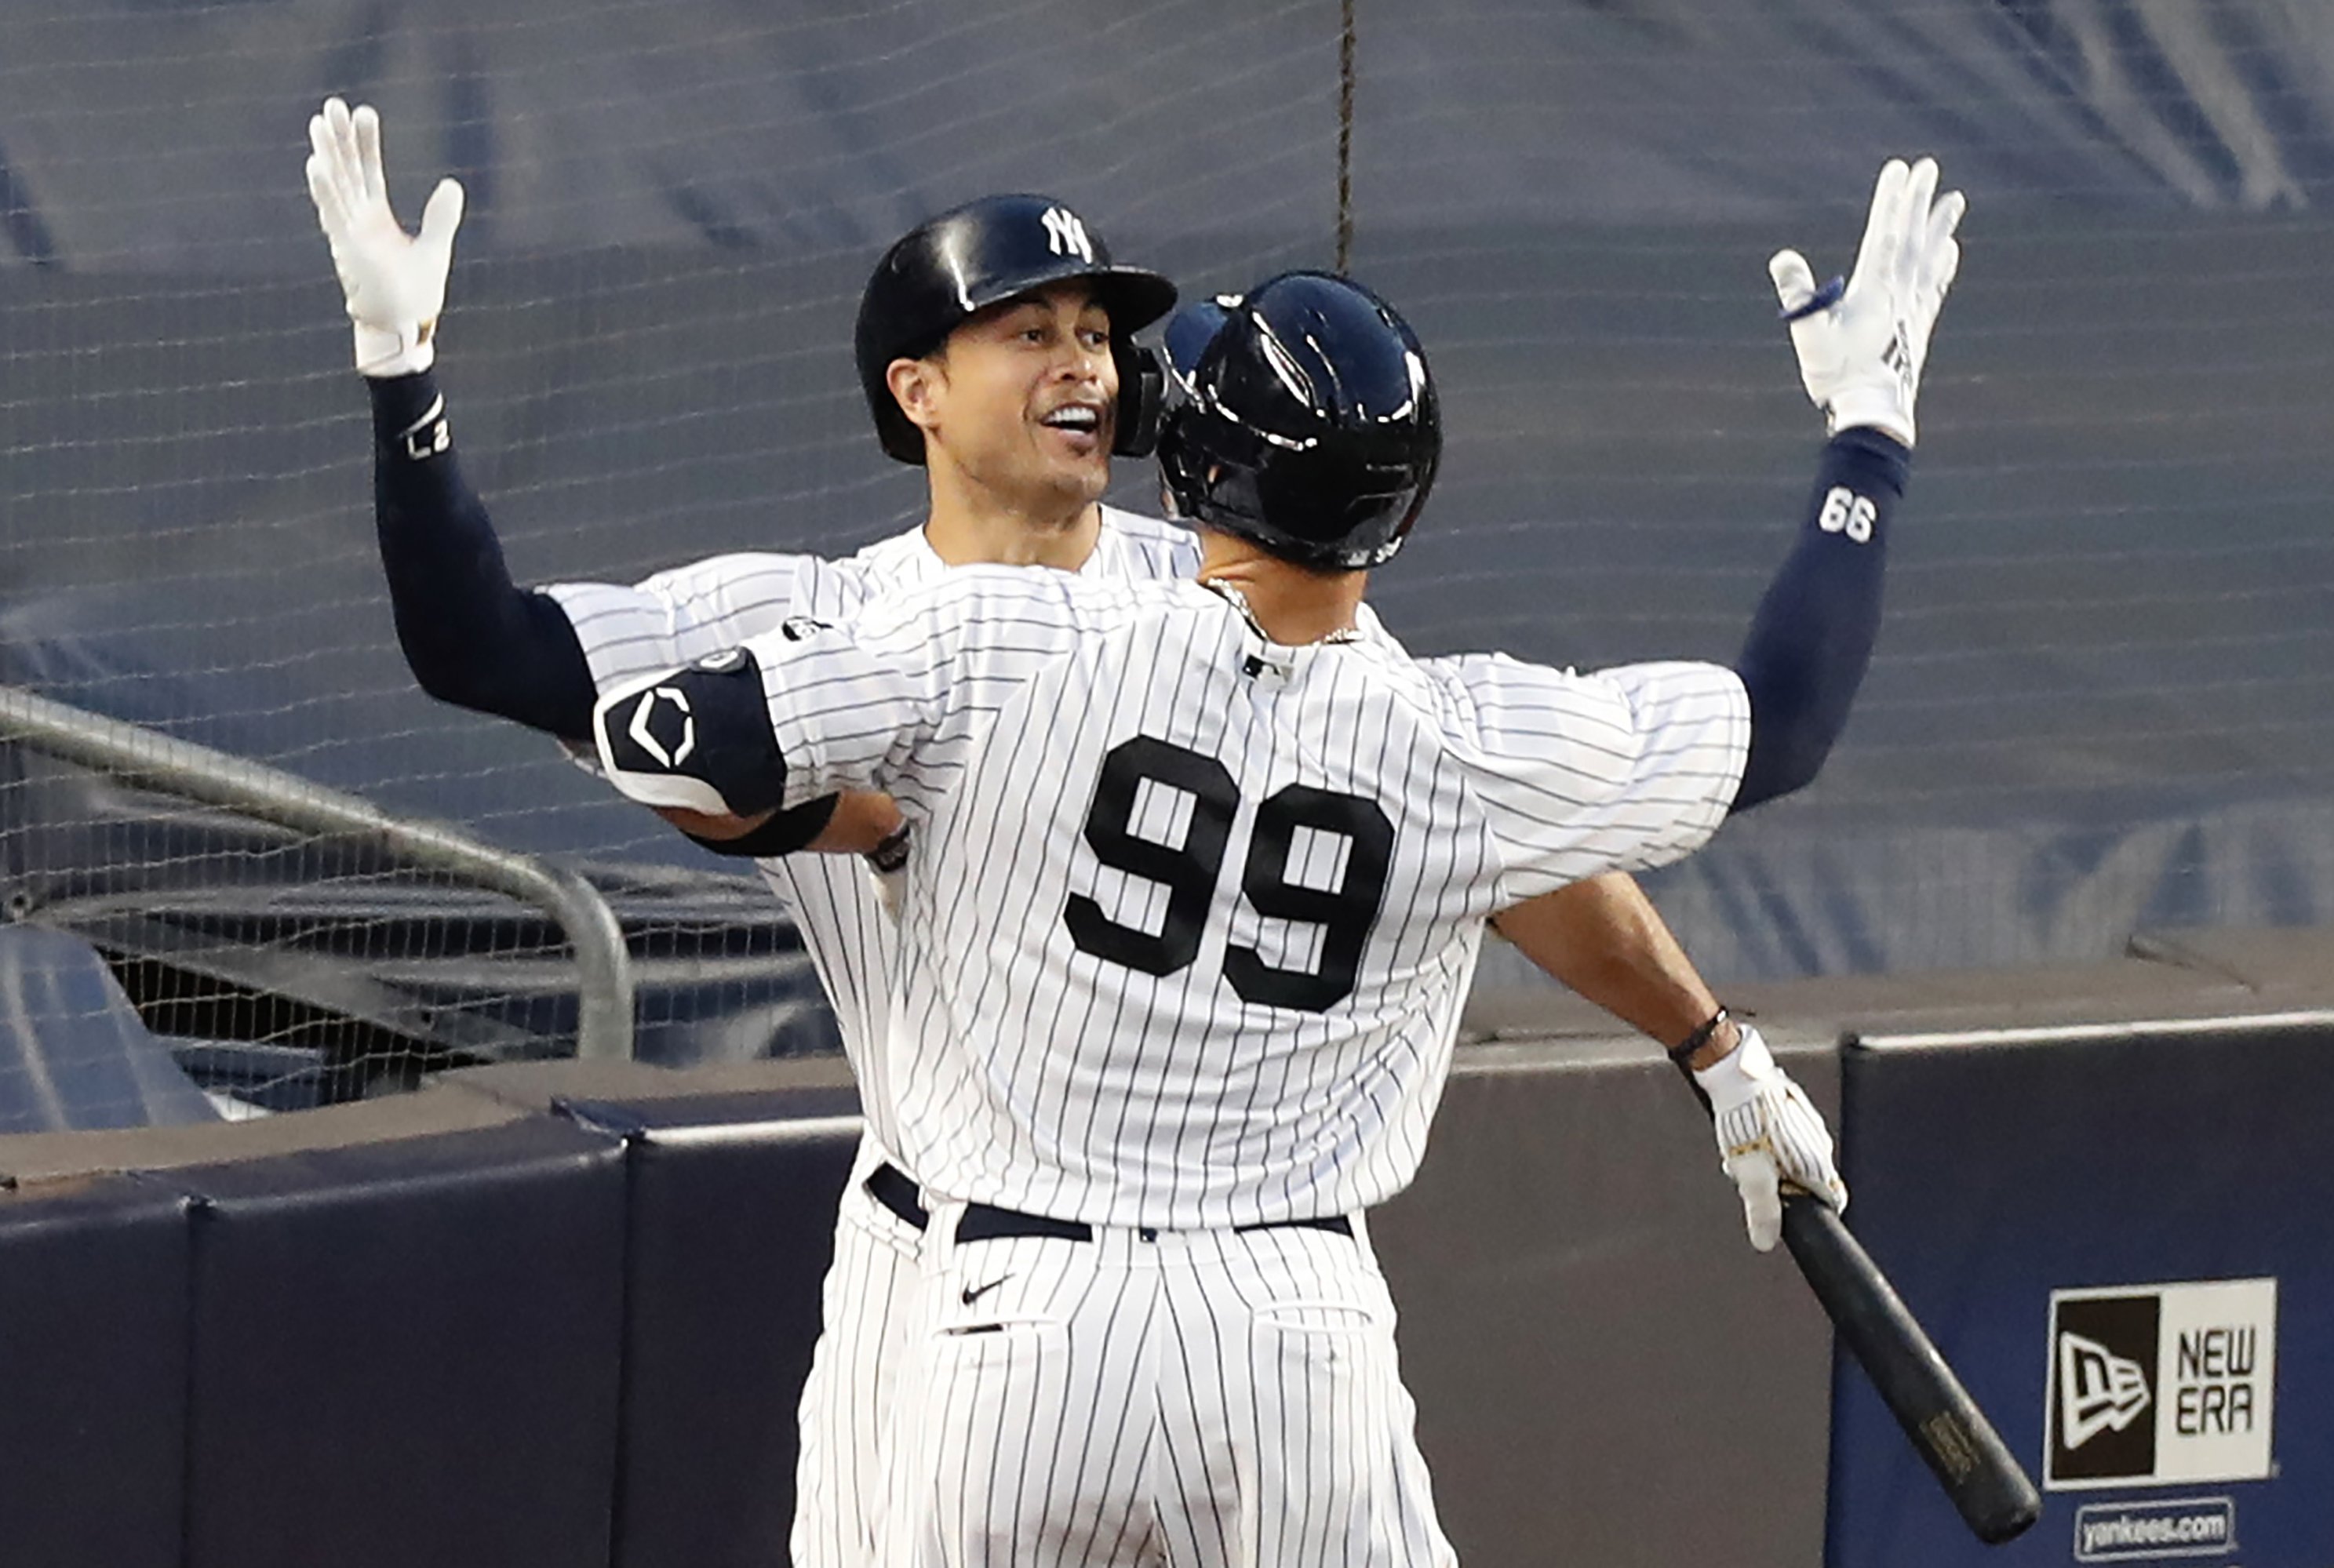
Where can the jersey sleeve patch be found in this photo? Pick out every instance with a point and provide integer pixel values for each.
(698, 739)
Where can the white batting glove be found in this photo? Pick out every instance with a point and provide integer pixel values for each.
(395, 283)
(1768, 1134)
(1861, 349)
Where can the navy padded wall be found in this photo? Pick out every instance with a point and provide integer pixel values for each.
(406, 1352)
(92, 1374)
(732, 1207)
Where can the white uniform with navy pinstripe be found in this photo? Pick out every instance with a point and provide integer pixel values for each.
(676, 618)
(1187, 921)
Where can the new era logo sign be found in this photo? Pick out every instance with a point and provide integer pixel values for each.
(2103, 1377)
(2154, 1384)
(2099, 1390)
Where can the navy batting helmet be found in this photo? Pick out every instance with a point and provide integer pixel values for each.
(982, 254)
(1300, 415)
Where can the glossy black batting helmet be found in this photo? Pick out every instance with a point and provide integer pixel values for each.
(983, 254)
(1300, 415)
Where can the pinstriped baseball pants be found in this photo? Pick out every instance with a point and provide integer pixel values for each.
(1199, 1399)
(867, 1311)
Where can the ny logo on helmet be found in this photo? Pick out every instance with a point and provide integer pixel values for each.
(1065, 234)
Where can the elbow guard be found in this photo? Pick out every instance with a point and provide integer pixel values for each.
(697, 738)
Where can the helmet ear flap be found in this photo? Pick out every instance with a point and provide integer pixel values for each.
(1141, 396)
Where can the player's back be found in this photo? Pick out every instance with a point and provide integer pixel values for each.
(1191, 913)
(691, 612)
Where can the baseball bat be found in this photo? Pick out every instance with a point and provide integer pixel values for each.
(1990, 1489)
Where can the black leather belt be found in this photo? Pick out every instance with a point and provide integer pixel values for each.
(893, 1187)
(986, 1222)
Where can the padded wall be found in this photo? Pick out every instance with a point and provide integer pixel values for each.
(406, 1353)
(1605, 1371)
(729, 1226)
(93, 1348)
(2142, 1171)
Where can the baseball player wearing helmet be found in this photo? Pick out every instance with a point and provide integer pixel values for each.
(1198, 873)
(540, 658)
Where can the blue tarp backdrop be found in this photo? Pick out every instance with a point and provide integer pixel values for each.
(2102, 698)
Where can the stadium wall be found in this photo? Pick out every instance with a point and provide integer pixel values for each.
(558, 1313)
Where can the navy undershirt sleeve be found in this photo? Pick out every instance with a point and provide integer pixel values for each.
(1811, 639)
(472, 635)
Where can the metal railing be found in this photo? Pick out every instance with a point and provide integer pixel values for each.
(604, 1029)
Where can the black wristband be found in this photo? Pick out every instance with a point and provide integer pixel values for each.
(892, 854)
(1698, 1039)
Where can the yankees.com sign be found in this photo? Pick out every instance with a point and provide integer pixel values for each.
(2161, 1383)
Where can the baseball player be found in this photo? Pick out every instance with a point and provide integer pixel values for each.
(1199, 872)
(474, 637)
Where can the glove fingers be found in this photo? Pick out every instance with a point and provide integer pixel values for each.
(442, 215)
(1941, 254)
(1943, 268)
(323, 156)
(1912, 219)
(1799, 1145)
(1756, 1178)
(340, 137)
(1810, 1166)
(331, 216)
(1809, 1161)
(1883, 229)
(1794, 280)
(1921, 185)
(1800, 1128)
(1946, 216)
(366, 122)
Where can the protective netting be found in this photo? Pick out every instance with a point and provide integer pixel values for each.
(2102, 696)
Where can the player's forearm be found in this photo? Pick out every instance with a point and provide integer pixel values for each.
(1605, 940)
(471, 636)
(1811, 639)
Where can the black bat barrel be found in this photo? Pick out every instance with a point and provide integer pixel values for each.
(1991, 1490)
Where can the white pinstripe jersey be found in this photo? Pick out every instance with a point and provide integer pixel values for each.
(1189, 915)
(681, 616)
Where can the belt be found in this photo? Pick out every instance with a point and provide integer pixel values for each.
(893, 1187)
(986, 1222)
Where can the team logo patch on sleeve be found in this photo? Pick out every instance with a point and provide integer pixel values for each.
(698, 739)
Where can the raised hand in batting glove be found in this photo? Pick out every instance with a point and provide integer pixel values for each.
(1768, 1134)
(1861, 349)
(395, 283)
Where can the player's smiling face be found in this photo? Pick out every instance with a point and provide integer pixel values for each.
(1020, 398)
